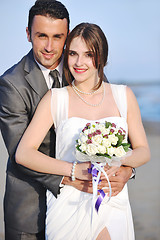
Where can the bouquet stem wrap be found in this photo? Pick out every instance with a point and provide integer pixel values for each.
(97, 167)
(96, 170)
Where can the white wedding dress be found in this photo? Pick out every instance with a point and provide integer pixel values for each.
(69, 216)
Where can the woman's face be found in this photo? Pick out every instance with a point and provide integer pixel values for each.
(80, 61)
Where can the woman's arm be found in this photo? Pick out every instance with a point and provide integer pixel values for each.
(27, 153)
(141, 153)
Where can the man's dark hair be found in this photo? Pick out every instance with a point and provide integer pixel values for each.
(48, 8)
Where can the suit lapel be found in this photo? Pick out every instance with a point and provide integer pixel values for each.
(34, 75)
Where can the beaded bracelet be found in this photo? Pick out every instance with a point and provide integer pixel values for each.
(73, 171)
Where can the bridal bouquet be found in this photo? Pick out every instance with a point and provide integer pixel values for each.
(101, 143)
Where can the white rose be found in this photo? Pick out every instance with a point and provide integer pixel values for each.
(101, 127)
(92, 129)
(97, 139)
(86, 132)
(106, 143)
(120, 152)
(83, 147)
(79, 142)
(91, 149)
(83, 138)
(115, 130)
(101, 149)
(105, 131)
(113, 139)
(111, 151)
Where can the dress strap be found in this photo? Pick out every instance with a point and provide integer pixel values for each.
(59, 105)
(120, 97)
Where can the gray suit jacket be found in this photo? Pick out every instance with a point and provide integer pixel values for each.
(21, 89)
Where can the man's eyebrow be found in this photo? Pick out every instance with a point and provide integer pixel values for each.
(55, 35)
(58, 34)
(41, 33)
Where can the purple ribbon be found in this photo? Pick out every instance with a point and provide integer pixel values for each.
(100, 199)
(94, 173)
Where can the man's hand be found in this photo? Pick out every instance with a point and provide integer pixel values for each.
(118, 181)
(81, 185)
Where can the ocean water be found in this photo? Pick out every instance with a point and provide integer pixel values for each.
(148, 97)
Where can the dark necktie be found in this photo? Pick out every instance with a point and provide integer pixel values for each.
(56, 83)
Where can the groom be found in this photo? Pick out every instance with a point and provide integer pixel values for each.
(21, 88)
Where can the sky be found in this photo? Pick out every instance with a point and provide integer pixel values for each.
(132, 28)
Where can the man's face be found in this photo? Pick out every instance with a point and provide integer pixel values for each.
(48, 37)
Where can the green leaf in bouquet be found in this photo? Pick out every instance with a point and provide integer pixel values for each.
(107, 124)
(78, 148)
(120, 140)
(126, 146)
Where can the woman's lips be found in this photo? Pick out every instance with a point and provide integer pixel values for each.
(80, 70)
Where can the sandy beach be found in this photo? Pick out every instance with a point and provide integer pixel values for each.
(144, 191)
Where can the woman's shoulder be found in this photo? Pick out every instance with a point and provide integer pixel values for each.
(118, 88)
(115, 85)
(131, 98)
(121, 88)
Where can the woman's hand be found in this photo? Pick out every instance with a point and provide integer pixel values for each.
(81, 171)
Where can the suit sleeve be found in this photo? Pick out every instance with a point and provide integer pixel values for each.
(14, 119)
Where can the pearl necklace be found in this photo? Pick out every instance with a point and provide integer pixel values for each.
(90, 104)
(90, 93)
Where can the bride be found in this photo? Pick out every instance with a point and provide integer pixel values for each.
(86, 99)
